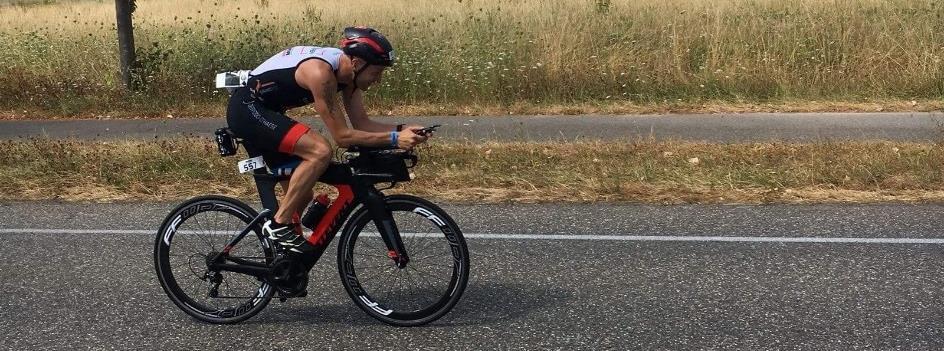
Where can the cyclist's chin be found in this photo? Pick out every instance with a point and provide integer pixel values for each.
(366, 84)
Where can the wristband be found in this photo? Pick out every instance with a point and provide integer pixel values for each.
(393, 138)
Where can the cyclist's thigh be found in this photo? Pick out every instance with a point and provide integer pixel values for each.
(258, 124)
(264, 131)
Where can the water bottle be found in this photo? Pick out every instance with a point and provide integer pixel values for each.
(315, 211)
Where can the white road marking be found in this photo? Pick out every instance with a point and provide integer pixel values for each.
(490, 236)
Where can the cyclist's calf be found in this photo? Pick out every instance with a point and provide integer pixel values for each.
(315, 152)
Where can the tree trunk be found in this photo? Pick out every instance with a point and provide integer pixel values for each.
(123, 9)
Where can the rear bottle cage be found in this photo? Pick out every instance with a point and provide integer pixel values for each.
(225, 142)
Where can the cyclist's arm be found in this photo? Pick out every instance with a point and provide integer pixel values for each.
(317, 77)
(354, 105)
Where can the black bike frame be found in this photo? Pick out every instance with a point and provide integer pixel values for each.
(353, 189)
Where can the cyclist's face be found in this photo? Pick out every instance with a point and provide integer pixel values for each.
(370, 76)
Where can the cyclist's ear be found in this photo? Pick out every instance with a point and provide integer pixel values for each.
(358, 63)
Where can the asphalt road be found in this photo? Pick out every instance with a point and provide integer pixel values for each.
(543, 277)
(796, 127)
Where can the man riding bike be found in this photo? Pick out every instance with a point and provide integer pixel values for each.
(299, 76)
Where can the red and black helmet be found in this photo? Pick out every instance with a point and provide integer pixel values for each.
(367, 44)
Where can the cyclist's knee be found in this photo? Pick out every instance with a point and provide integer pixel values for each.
(313, 147)
(322, 152)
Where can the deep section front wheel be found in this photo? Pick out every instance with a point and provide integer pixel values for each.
(190, 236)
(425, 289)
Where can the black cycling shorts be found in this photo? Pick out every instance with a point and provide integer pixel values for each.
(263, 130)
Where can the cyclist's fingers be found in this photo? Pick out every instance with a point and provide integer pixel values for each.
(407, 141)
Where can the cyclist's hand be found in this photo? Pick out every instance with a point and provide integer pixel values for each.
(423, 137)
(412, 126)
(407, 139)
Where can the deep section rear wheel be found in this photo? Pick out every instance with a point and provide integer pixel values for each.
(431, 283)
(194, 232)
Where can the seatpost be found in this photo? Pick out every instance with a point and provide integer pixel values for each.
(265, 185)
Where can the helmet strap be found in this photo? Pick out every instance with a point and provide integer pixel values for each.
(357, 72)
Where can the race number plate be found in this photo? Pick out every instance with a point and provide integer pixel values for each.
(249, 165)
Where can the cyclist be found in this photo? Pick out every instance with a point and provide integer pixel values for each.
(299, 76)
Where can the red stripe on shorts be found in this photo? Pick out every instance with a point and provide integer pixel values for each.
(291, 138)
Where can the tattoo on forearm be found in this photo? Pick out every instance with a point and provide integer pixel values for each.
(329, 97)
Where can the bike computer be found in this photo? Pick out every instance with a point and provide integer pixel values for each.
(428, 130)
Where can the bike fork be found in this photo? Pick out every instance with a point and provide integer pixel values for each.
(383, 219)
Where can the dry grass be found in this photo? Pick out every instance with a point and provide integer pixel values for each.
(492, 54)
(641, 171)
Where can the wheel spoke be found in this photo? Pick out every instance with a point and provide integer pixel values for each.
(184, 255)
(245, 278)
(199, 225)
(185, 263)
(365, 267)
(371, 246)
(369, 255)
(428, 257)
(374, 275)
(429, 263)
(409, 278)
(426, 274)
(414, 290)
(398, 283)
(422, 277)
(428, 244)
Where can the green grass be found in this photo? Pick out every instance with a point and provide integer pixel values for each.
(62, 59)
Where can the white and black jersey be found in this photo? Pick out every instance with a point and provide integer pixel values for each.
(273, 82)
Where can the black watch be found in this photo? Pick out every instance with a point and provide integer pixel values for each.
(400, 127)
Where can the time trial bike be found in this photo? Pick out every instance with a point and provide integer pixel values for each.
(401, 258)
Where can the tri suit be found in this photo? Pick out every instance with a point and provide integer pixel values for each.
(256, 112)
